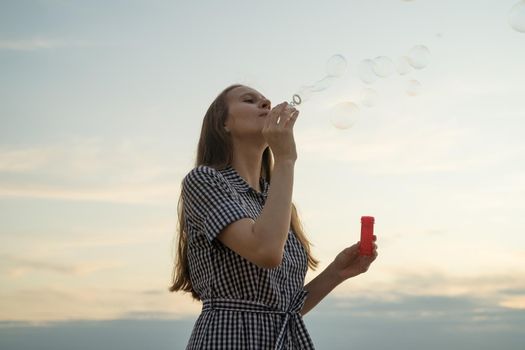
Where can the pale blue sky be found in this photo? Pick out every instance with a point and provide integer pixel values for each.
(101, 104)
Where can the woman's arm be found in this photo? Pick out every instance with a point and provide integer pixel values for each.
(348, 263)
(262, 241)
(319, 287)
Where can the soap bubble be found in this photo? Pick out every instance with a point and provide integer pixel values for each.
(365, 70)
(413, 87)
(305, 92)
(369, 97)
(382, 66)
(336, 66)
(517, 17)
(403, 66)
(322, 84)
(419, 56)
(344, 115)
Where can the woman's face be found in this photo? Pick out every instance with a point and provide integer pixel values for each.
(247, 111)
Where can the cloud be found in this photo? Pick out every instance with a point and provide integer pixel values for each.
(88, 157)
(121, 334)
(388, 152)
(136, 236)
(30, 44)
(411, 323)
(41, 43)
(404, 306)
(70, 302)
(86, 239)
(18, 266)
(131, 194)
(395, 283)
(89, 169)
(24, 160)
(395, 295)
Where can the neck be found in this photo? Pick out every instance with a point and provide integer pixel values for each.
(247, 160)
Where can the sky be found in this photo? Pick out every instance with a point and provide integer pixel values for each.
(101, 105)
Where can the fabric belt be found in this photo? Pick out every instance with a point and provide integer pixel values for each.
(291, 316)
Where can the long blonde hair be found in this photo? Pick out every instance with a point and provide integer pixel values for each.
(215, 149)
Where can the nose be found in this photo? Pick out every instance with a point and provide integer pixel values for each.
(265, 103)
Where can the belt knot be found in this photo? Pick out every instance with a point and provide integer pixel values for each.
(291, 315)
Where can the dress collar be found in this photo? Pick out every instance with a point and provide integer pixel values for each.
(240, 183)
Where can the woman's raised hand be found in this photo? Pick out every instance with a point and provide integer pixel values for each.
(278, 131)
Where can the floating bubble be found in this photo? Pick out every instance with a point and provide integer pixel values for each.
(336, 66)
(365, 70)
(322, 84)
(517, 17)
(383, 66)
(304, 93)
(403, 66)
(369, 97)
(344, 115)
(413, 87)
(419, 56)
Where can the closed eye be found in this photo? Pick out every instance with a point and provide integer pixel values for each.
(250, 100)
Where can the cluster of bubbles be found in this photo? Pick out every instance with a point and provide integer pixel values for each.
(336, 66)
(517, 17)
(370, 70)
(344, 115)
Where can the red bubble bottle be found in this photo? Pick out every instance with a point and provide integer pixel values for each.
(367, 235)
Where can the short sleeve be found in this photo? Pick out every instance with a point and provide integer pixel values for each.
(209, 201)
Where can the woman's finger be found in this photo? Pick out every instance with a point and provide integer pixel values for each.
(274, 114)
(281, 113)
(291, 120)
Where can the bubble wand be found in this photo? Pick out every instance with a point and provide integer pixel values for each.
(296, 100)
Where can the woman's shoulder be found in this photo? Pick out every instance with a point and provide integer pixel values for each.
(204, 173)
(203, 170)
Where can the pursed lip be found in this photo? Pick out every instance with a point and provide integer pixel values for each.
(263, 114)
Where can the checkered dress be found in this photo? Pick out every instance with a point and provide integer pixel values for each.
(244, 306)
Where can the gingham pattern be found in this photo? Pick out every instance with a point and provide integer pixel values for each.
(244, 306)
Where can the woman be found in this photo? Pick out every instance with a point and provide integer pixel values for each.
(241, 247)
